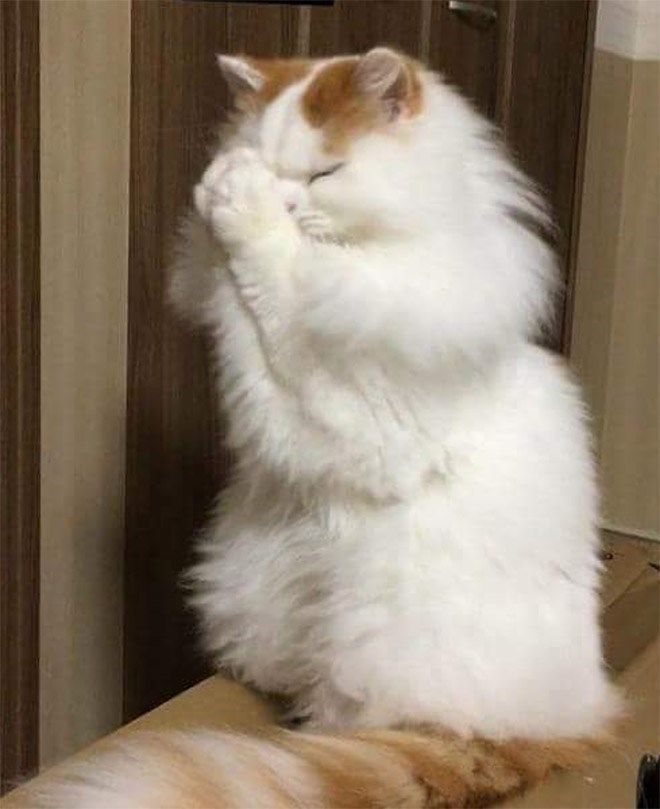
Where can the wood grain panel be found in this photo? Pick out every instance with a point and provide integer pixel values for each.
(262, 30)
(170, 473)
(466, 53)
(543, 116)
(175, 461)
(352, 27)
(19, 389)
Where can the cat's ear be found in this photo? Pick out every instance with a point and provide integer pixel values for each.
(386, 75)
(240, 75)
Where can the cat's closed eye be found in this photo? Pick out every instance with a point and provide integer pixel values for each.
(325, 173)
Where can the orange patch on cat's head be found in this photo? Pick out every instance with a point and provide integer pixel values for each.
(349, 97)
(279, 74)
(255, 82)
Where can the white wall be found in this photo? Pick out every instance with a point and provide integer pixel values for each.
(615, 332)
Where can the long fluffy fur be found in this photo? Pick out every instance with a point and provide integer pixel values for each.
(410, 769)
(410, 538)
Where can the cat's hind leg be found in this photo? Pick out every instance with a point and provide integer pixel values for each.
(254, 588)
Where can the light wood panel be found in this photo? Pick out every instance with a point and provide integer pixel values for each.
(84, 165)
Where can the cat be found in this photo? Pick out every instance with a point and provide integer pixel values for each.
(408, 550)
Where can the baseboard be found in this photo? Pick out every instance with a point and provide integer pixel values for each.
(653, 536)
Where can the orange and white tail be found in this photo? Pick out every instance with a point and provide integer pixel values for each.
(414, 769)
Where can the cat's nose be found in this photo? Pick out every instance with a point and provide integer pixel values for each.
(291, 205)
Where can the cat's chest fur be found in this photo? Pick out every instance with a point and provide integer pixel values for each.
(395, 429)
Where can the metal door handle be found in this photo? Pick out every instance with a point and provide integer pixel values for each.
(477, 13)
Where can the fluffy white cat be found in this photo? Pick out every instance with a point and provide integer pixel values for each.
(411, 535)
(410, 538)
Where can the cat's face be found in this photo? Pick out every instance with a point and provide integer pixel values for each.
(332, 131)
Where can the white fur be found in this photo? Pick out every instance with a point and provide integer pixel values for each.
(410, 535)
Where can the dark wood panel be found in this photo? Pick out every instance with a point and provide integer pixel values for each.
(543, 109)
(466, 52)
(175, 461)
(352, 27)
(19, 390)
(262, 30)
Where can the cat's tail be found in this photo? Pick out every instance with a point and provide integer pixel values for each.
(415, 769)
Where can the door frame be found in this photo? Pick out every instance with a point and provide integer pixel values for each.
(578, 185)
(19, 390)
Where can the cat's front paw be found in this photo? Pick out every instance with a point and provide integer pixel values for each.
(214, 189)
(238, 198)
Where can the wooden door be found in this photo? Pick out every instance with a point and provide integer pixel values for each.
(175, 461)
(523, 63)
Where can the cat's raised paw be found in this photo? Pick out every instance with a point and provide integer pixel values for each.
(237, 196)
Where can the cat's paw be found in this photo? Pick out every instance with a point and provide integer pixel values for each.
(212, 190)
(238, 198)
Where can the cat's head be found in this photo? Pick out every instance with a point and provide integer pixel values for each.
(335, 131)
